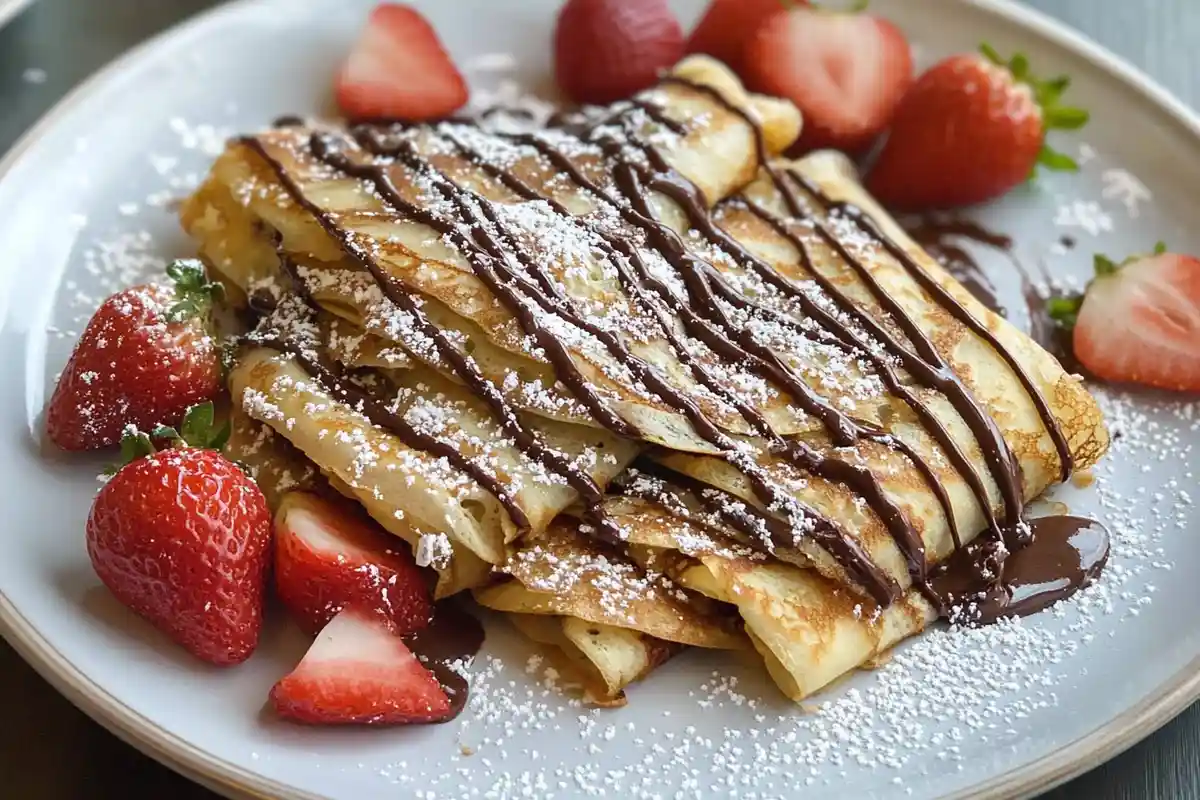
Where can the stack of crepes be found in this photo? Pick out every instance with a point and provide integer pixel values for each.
(632, 379)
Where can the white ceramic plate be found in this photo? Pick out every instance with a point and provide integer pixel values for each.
(1011, 710)
(9, 9)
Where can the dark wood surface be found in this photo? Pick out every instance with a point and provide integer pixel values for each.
(51, 751)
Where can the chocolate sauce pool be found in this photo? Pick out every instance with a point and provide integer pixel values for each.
(1064, 554)
(1014, 568)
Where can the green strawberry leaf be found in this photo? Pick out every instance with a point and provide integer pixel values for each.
(1046, 93)
(1064, 310)
(854, 8)
(195, 294)
(1104, 265)
(165, 433)
(135, 444)
(197, 429)
(1160, 248)
(1054, 160)
(992, 55)
(1065, 118)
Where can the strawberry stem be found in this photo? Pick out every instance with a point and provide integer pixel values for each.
(195, 294)
(1065, 310)
(1103, 265)
(135, 444)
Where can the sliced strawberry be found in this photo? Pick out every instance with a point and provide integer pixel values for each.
(605, 50)
(329, 556)
(727, 26)
(359, 672)
(399, 70)
(846, 72)
(970, 129)
(1139, 321)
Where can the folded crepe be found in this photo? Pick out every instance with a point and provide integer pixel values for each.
(965, 416)
(565, 246)
(610, 619)
(472, 333)
(809, 630)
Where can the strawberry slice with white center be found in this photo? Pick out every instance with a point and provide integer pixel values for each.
(1139, 321)
(845, 71)
(329, 555)
(359, 672)
(399, 70)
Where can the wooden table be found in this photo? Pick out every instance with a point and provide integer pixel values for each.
(51, 751)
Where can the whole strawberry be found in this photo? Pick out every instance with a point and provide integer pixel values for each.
(971, 129)
(605, 50)
(146, 356)
(182, 537)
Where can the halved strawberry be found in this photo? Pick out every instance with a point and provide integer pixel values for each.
(329, 556)
(359, 672)
(399, 70)
(727, 26)
(1139, 321)
(845, 71)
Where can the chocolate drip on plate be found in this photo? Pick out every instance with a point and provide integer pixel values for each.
(452, 637)
(979, 585)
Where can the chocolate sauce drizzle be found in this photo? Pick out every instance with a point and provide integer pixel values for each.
(487, 244)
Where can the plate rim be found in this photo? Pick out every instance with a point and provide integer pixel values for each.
(10, 9)
(1109, 739)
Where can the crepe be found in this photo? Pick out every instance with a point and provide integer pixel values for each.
(475, 334)
(992, 385)
(809, 630)
(613, 619)
(256, 190)
(411, 492)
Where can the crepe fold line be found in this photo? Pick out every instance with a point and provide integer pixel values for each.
(409, 492)
(611, 616)
(244, 204)
(809, 630)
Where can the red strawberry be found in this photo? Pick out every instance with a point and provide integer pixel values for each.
(182, 537)
(144, 358)
(605, 50)
(727, 26)
(845, 71)
(970, 130)
(1139, 321)
(359, 671)
(399, 70)
(328, 557)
